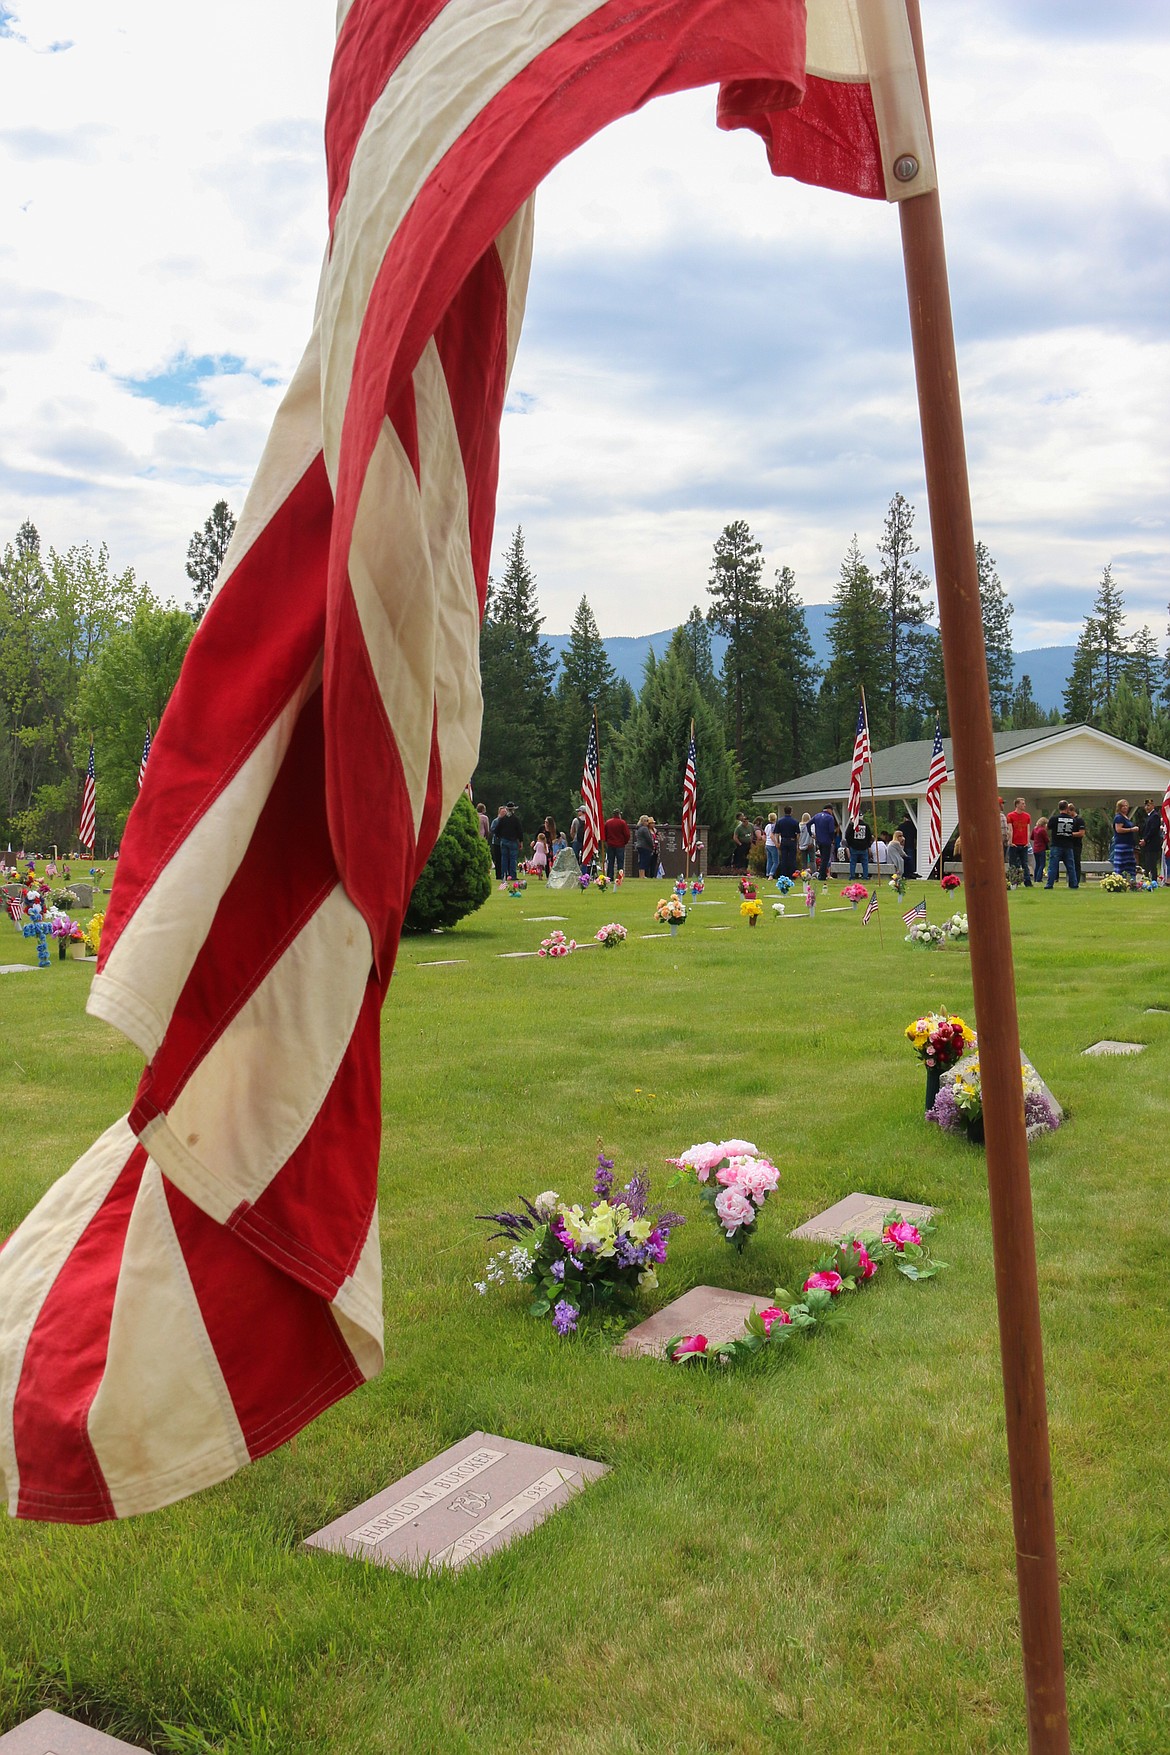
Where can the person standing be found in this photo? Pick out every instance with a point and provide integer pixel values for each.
(806, 841)
(787, 837)
(644, 847)
(484, 825)
(616, 835)
(824, 827)
(771, 849)
(1005, 835)
(577, 837)
(1078, 837)
(1019, 821)
(1062, 845)
(494, 841)
(1040, 845)
(741, 840)
(897, 853)
(909, 833)
(1125, 833)
(1152, 840)
(511, 836)
(858, 840)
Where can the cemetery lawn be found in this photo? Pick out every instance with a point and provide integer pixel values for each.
(814, 1555)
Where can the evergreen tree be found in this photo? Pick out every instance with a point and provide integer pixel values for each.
(1023, 713)
(858, 640)
(933, 693)
(1128, 714)
(517, 756)
(901, 584)
(737, 599)
(205, 553)
(790, 683)
(1143, 664)
(1109, 621)
(587, 681)
(652, 750)
(1084, 694)
(456, 879)
(997, 633)
(697, 640)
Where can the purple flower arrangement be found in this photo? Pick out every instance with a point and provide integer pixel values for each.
(578, 1259)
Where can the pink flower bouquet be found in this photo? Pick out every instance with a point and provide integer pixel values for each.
(556, 945)
(733, 1181)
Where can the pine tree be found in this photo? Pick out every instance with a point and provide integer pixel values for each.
(1084, 695)
(517, 757)
(1024, 714)
(791, 682)
(1128, 714)
(997, 633)
(652, 750)
(858, 633)
(587, 682)
(933, 690)
(1109, 620)
(737, 599)
(205, 553)
(1143, 664)
(697, 640)
(901, 584)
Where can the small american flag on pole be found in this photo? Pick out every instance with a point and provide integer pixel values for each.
(88, 829)
(591, 796)
(690, 827)
(145, 758)
(870, 910)
(13, 908)
(918, 912)
(936, 779)
(860, 758)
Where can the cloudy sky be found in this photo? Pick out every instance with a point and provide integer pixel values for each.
(703, 342)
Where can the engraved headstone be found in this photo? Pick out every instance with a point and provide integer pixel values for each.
(460, 1506)
(858, 1213)
(705, 1310)
(50, 1734)
(967, 1060)
(1109, 1047)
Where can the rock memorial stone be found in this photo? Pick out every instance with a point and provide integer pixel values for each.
(565, 871)
(705, 1310)
(50, 1734)
(460, 1506)
(1109, 1047)
(858, 1213)
(969, 1059)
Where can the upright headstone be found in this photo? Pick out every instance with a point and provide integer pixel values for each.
(961, 1066)
(565, 873)
(460, 1506)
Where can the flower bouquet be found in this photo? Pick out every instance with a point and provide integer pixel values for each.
(957, 926)
(556, 945)
(601, 882)
(855, 893)
(619, 878)
(925, 932)
(939, 1039)
(733, 1181)
(577, 1258)
(697, 887)
(751, 908)
(949, 882)
(65, 899)
(611, 935)
(959, 1104)
(517, 886)
(1142, 881)
(844, 1268)
(746, 887)
(585, 880)
(784, 884)
(1116, 884)
(898, 884)
(671, 911)
(778, 909)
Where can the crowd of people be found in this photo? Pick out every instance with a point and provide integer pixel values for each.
(1057, 842)
(504, 834)
(791, 845)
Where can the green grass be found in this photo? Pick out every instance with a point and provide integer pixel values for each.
(817, 1555)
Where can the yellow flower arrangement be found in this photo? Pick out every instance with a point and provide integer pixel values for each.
(751, 909)
(93, 934)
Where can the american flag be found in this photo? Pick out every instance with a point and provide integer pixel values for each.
(870, 909)
(918, 912)
(88, 829)
(145, 759)
(936, 779)
(860, 758)
(216, 1250)
(14, 908)
(591, 796)
(690, 810)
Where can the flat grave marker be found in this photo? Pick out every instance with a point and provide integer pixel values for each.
(1160, 1011)
(857, 1213)
(462, 1505)
(704, 1310)
(505, 955)
(540, 919)
(441, 963)
(1110, 1047)
(50, 1734)
(15, 968)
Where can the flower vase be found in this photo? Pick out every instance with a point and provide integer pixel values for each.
(78, 950)
(853, 904)
(62, 949)
(752, 918)
(975, 1130)
(674, 929)
(933, 1085)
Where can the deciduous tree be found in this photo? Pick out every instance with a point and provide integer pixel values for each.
(205, 553)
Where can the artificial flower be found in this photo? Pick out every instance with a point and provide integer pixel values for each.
(827, 1281)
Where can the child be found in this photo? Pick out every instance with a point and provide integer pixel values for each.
(538, 864)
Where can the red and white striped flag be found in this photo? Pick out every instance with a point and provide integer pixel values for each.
(860, 758)
(918, 912)
(87, 832)
(591, 796)
(207, 1277)
(145, 759)
(14, 908)
(936, 779)
(871, 909)
(690, 808)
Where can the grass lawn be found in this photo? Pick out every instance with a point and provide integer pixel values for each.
(817, 1555)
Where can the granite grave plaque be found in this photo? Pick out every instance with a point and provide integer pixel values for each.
(15, 968)
(1110, 1047)
(50, 1734)
(460, 1506)
(705, 1310)
(858, 1213)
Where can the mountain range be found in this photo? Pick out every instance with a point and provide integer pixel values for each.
(1048, 666)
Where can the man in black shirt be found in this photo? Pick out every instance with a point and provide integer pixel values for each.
(909, 834)
(511, 835)
(1065, 829)
(859, 840)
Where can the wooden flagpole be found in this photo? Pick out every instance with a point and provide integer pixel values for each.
(873, 805)
(686, 843)
(968, 695)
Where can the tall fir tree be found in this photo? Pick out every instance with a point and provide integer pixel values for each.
(697, 639)
(789, 681)
(736, 602)
(1084, 695)
(587, 682)
(902, 584)
(517, 755)
(652, 750)
(1128, 714)
(205, 553)
(1143, 664)
(1024, 713)
(858, 642)
(1108, 616)
(997, 633)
